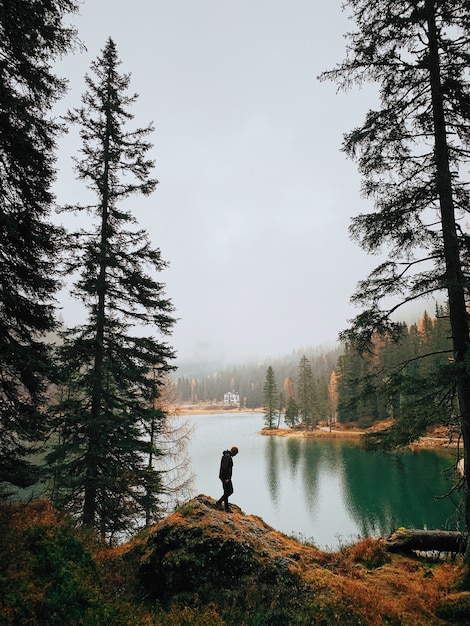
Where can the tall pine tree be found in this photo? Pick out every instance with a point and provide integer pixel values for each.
(413, 154)
(271, 398)
(306, 399)
(107, 420)
(32, 36)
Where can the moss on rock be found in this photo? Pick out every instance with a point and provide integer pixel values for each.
(202, 545)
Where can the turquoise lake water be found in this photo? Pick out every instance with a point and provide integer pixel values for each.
(327, 491)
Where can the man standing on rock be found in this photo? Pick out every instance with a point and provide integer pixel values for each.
(225, 475)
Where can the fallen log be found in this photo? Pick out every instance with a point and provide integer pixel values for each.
(410, 539)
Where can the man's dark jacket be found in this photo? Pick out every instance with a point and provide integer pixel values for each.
(226, 465)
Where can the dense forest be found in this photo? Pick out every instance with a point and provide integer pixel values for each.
(377, 385)
(248, 379)
(343, 385)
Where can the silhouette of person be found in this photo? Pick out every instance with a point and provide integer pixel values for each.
(225, 475)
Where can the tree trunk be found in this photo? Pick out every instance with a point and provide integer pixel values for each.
(407, 540)
(90, 496)
(455, 282)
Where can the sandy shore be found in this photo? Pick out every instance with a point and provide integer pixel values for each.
(317, 433)
(195, 409)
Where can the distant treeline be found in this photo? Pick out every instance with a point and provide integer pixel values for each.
(397, 374)
(248, 380)
(348, 387)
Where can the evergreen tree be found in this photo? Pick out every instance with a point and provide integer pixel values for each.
(107, 420)
(291, 416)
(32, 36)
(271, 398)
(413, 155)
(398, 380)
(306, 399)
(351, 373)
(414, 382)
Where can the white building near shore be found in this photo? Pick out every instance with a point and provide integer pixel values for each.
(231, 397)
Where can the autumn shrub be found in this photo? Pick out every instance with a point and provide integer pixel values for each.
(455, 608)
(370, 552)
(49, 572)
(185, 615)
(54, 574)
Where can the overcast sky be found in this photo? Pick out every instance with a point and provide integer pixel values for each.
(255, 196)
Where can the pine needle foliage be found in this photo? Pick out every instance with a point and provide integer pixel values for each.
(111, 369)
(306, 393)
(271, 398)
(32, 36)
(413, 154)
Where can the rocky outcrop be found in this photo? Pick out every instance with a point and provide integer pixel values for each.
(202, 544)
(205, 560)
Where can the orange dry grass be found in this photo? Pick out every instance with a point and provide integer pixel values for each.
(21, 516)
(409, 590)
(359, 584)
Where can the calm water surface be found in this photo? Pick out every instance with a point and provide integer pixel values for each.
(328, 491)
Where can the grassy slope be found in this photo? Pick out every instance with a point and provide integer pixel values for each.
(203, 566)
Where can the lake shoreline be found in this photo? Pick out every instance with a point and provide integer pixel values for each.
(335, 488)
(436, 439)
(206, 409)
(317, 433)
(325, 433)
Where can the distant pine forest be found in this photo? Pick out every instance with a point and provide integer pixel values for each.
(346, 387)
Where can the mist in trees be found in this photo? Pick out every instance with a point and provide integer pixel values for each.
(248, 379)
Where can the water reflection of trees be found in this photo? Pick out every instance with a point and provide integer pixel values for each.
(321, 459)
(383, 491)
(313, 460)
(272, 470)
(294, 454)
(379, 491)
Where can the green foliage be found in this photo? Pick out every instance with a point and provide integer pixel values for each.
(455, 609)
(47, 572)
(271, 398)
(106, 421)
(291, 416)
(412, 152)
(358, 399)
(410, 381)
(307, 400)
(31, 39)
(54, 574)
